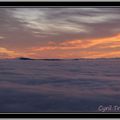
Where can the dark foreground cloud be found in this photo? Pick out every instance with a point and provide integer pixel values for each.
(58, 86)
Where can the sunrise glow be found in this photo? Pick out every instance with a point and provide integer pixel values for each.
(61, 33)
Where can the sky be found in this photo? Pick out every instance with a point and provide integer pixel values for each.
(59, 32)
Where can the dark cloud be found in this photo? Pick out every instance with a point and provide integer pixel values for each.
(70, 86)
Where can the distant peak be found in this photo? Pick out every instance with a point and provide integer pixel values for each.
(24, 58)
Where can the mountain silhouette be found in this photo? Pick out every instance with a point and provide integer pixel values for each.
(25, 58)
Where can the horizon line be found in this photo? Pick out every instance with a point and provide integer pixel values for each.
(28, 58)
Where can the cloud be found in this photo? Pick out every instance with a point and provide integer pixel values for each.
(2, 37)
(80, 44)
(72, 31)
(88, 48)
(68, 90)
(82, 22)
(38, 19)
(5, 53)
(65, 20)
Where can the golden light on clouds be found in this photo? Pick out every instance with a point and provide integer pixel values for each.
(60, 33)
(8, 53)
(92, 48)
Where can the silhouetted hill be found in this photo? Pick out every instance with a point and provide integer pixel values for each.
(24, 58)
(55, 59)
(51, 59)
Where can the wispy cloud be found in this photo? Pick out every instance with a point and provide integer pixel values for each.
(87, 48)
(45, 32)
(64, 20)
(2, 37)
(7, 53)
(38, 19)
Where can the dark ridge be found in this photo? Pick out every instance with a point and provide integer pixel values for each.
(24, 58)
(51, 59)
(107, 58)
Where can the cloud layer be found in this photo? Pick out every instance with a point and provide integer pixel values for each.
(61, 32)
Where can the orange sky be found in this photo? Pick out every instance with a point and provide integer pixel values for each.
(60, 33)
(96, 48)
